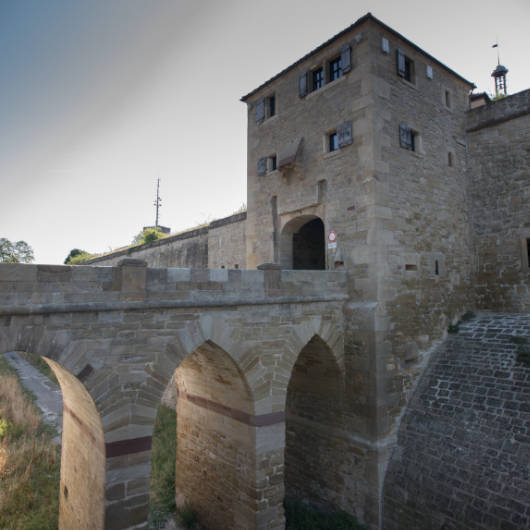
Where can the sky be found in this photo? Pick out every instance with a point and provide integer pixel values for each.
(99, 99)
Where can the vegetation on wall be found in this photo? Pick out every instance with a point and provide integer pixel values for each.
(148, 236)
(15, 252)
(77, 256)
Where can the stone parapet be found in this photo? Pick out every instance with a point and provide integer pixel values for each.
(83, 288)
(496, 112)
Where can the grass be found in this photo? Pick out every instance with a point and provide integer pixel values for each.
(301, 516)
(39, 364)
(29, 462)
(163, 455)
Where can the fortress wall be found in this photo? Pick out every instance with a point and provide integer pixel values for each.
(421, 230)
(499, 194)
(219, 244)
(227, 243)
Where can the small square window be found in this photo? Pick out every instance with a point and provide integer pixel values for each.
(335, 69)
(333, 143)
(405, 66)
(317, 78)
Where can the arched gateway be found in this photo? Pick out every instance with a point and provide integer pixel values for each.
(302, 244)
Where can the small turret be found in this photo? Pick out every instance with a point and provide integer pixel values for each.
(500, 79)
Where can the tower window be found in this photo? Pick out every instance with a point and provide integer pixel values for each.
(335, 69)
(318, 78)
(528, 252)
(450, 159)
(405, 66)
(333, 141)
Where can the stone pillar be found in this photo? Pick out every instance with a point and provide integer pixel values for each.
(133, 274)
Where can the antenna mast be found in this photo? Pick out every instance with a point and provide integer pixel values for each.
(158, 201)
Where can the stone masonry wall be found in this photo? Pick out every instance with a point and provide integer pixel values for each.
(220, 446)
(463, 450)
(82, 484)
(423, 239)
(227, 243)
(499, 193)
(335, 186)
(221, 244)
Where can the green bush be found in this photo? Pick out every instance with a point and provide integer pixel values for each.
(149, 235)
(77, 256)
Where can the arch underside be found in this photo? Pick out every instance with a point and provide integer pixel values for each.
(314, 411)
(82, 484)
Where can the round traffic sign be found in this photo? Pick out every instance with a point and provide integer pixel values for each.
(332, 236)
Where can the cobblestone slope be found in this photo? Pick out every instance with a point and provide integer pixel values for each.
(463, 453)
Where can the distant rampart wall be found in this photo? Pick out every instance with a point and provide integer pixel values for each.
(220, 244)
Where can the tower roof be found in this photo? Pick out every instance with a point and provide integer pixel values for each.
(499, 71)
(356, 24)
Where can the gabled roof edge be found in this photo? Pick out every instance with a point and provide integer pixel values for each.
(358, 22)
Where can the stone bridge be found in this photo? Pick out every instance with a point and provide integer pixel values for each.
(251, 351)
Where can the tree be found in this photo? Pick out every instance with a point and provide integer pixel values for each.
(148, 236)
(77, 256)
(17, 252)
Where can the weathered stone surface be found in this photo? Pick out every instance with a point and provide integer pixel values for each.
(463, 451)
